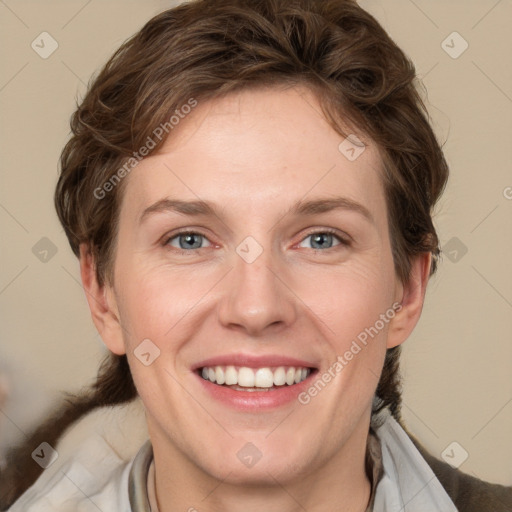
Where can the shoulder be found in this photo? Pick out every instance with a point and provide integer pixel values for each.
(93, 479)
(92, 465)
(467, 492)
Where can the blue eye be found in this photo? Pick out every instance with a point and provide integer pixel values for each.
(187, 240)
(324, 239)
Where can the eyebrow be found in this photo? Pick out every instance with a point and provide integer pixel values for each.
(301, 208)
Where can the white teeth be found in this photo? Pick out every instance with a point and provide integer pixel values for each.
(231, 376)
(219, 375)
(264, 378)
(246, 377)
(280, 377)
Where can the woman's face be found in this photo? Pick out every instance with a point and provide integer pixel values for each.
(287, 264)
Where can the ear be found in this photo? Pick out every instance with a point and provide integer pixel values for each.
(412, 297)
(102, 303)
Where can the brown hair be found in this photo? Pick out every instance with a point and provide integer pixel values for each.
(207, 48)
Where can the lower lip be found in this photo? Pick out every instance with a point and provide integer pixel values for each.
(255, 400)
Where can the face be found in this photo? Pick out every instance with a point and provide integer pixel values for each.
(282, 261)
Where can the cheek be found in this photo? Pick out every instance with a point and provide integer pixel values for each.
(355, 307)
(155, 301)
(348, 299)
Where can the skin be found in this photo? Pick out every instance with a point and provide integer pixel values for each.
(255, 153)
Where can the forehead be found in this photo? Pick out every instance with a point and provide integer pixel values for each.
(257, 148)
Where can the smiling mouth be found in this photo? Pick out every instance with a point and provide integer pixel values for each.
(243, 378)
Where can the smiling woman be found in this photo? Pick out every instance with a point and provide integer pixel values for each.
(255, 273)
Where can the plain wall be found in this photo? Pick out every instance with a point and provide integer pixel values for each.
(457, 365)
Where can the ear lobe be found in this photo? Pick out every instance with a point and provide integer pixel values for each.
(413, 296)
(103, 309)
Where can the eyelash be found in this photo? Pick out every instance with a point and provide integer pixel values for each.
(345, 242)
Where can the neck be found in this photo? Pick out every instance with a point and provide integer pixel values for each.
(339, 483)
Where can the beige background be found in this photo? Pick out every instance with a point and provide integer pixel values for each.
(458, 363)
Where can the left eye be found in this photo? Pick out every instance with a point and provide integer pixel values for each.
(324, 239)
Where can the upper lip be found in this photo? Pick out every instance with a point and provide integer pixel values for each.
(253, 361)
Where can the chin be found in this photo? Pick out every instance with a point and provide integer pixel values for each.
(257, 463)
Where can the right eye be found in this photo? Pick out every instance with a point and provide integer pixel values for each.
(186, 241)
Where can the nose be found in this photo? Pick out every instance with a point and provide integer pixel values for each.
(257, 299)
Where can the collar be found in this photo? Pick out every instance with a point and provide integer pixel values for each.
(138, 479)
(408, 483)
